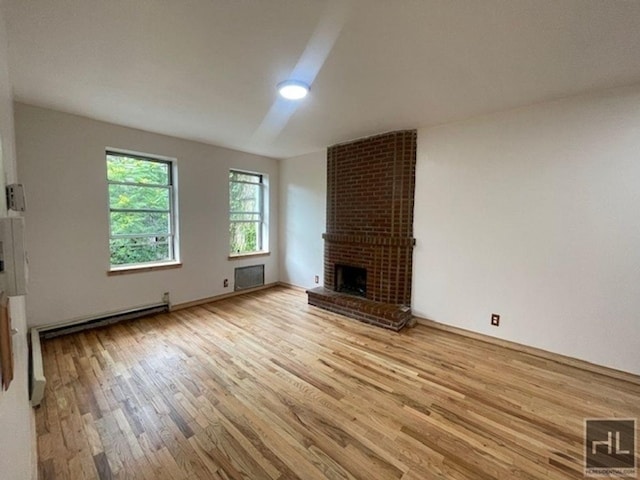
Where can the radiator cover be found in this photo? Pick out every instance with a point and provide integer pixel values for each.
(249, 277)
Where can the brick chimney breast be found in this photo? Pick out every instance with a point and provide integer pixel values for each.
(370, 198)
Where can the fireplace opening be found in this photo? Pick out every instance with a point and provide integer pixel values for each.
(351, 280)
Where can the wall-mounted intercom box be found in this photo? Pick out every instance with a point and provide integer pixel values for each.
(13, 261)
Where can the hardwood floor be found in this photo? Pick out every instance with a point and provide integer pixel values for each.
(265, 387)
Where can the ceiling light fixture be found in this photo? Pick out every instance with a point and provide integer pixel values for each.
(293, 89)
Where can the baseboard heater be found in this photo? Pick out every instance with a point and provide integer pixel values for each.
(37, 380)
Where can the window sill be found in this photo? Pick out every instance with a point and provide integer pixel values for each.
(148, 267)
(239, 256)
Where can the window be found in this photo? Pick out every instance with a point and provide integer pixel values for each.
(141, 210)
(246, 212)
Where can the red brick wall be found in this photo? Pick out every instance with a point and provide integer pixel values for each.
(370, 189)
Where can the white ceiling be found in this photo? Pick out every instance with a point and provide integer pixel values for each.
(207, 69)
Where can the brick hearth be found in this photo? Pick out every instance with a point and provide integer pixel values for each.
(370, 190)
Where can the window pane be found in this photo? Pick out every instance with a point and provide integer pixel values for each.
(137, 223)
(244, 197)
(121, 168)
(244, 177)
(139, 250)
(245, 212)
(143, 234)
(134, 197)
(244, 237)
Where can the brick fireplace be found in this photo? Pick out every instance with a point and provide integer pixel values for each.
(368, 244)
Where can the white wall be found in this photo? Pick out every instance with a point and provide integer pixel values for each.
(535, 214)
(16, 455)
(62, 165)
(303, 186)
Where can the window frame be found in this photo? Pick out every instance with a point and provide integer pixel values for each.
(262, 234)
(173, 259)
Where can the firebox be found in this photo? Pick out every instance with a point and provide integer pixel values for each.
(351, 280)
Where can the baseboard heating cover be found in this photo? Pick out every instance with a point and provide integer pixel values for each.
(249, 277)
(37, 379)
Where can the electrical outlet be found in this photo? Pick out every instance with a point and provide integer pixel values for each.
(165, 297)
(495, 319)
(225, 283)
(316, 279)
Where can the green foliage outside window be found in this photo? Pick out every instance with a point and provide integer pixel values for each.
(245, 212)
(140, 207)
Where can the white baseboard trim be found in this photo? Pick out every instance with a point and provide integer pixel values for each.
(537, 352)
(202, 301)
(292, 287)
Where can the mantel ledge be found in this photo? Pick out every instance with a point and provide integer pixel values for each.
(365, 239)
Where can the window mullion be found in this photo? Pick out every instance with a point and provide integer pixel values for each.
(135, 184)
(139, 235)
(245, 182)
(137, 210)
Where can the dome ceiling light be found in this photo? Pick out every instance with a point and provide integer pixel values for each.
(293, 89)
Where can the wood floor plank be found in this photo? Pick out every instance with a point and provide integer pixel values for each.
(102, 466)
(264, 386)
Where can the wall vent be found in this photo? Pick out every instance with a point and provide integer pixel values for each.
(249, 277)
